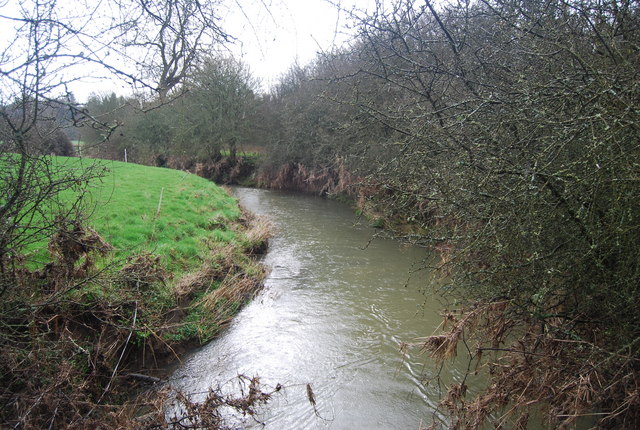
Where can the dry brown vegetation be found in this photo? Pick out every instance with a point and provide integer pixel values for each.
(257, 233)
(534, 367)
(72, 356)
(210, 413)
(334, 179)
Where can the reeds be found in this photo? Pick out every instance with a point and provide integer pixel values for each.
(238, 288)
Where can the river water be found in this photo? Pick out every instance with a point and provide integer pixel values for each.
(336, 307)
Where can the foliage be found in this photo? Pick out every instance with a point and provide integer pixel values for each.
(214, 114)
(311, 120)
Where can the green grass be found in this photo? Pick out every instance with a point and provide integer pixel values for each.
(194, 229)
(103, 301)
(193, 214)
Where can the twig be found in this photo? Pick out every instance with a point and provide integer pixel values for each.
(124, 348)
(115, 369)
(145, 378)
(513, 350)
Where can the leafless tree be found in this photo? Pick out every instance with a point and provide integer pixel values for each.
(150, 45)
(169, 36)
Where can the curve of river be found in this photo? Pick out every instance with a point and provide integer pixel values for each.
(334, 311)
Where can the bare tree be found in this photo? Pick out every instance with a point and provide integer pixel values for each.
(54, 46)
(170, 35)
(35, 70)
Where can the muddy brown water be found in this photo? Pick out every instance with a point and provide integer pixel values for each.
(335, 309)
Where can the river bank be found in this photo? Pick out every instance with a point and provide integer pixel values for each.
(401, 212)
(93, 314)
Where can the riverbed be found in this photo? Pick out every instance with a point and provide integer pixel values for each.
(339, 303)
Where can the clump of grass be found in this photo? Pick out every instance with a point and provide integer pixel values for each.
(212, 295)
(257, 234)
(237, 288)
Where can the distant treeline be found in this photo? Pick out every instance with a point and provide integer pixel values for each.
(208, 117)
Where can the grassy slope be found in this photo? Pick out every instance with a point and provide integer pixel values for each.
(194, 213)
(194, 229)
(191, 224)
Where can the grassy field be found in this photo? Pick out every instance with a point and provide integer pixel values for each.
(190, 226)
(173, 214)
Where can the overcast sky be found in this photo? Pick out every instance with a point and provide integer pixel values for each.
(272, 35)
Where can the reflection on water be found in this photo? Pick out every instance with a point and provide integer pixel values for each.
(334, 311)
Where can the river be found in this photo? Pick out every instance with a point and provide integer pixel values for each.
(336, 307)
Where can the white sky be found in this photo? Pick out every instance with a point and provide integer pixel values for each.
(271, 35)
